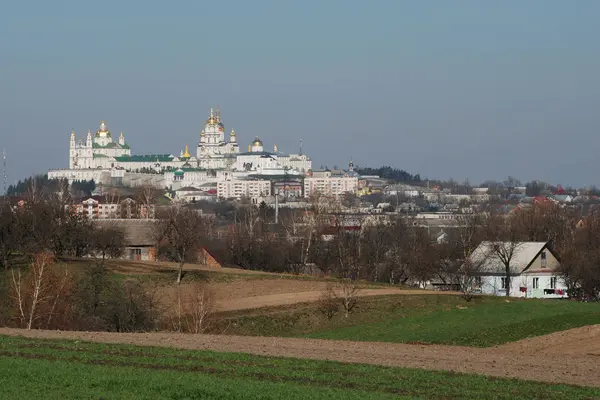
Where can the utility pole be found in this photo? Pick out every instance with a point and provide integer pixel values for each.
(5, 176)
(277, 206)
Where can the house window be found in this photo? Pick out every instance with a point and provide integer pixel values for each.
(536, 283)
(553, 282)
(543, 258)
(503, 282)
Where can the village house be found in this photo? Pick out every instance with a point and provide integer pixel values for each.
(533, 268)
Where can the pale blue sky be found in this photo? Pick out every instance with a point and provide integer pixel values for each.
(461, 89)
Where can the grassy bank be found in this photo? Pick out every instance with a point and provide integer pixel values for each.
(482, 324)
(35, 369)
(442, 319)
(304, 319)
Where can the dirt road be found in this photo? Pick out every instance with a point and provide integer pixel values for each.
(518, 360)
(282, 299)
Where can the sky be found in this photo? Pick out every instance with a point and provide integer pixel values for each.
(464, 89)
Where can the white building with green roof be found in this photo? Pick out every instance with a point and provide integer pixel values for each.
(97, 152)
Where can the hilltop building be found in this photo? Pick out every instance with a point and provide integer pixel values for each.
(104, 160)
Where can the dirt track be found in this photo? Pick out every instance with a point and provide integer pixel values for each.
(250, 294)
(282, 299)
(565, 363)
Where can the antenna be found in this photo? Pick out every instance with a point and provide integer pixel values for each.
(4, 169)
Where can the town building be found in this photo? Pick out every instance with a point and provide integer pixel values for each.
(533, 270)
(249, 188)
(331, 182)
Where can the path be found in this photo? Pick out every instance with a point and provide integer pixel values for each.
(574, 368)
(283, 299)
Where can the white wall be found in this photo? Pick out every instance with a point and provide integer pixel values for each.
(492, 285)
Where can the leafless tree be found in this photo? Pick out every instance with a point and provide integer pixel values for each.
(108, 241)
(146, 196)
(198, 309)
(11, 234)
(580, 260)
(37, 293)
(349, 295)
(182, 231)
(328, 302)
(505, 242)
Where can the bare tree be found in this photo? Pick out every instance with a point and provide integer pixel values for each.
(580, 260)
(37, 293)
(458, 268)
(199, 308)
(108, 241)
(349, 295)
(146, 196)
(182, 231)
(504, 246)
(10, 233)
(328, 302)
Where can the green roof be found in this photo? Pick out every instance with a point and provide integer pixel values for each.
(96, 155)
(112, 145)
(146, 158)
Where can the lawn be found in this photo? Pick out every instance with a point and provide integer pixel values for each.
(34, 369)
(481, 324)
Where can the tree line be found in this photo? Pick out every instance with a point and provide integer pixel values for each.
(401, 251)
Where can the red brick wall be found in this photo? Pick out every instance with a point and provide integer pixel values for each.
(207, 259)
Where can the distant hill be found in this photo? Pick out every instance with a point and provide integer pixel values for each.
(393, 174)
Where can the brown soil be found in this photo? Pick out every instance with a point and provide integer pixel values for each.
(245, 295)
(578, 342)
(521, 360)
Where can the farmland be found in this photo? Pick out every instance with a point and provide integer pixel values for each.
(267, 342)
(33, 368)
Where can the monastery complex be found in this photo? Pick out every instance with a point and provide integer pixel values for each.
(218, 165)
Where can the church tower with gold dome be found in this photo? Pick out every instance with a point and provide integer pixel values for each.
(213, 151)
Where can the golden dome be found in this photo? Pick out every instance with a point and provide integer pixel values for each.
(211, 119)
(187, 152)
(232, 132)
(257, 142)
(202, 133)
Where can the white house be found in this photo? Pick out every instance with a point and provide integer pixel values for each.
(533, 268)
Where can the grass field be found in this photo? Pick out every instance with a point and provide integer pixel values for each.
(441, 319)
(45, 369)
(485, 323)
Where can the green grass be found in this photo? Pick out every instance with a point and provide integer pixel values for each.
(481, 324)
(303, 319)
(35, 369)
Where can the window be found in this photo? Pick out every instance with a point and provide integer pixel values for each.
(503, 281)
(553, 282)
(536, 283)
(543, 258)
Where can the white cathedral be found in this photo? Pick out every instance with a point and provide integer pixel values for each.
(101, 158)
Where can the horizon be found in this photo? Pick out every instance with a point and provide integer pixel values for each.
(463, 91)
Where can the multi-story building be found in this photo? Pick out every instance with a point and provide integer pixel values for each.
(237, 189)
(331, 183)
(98, 208)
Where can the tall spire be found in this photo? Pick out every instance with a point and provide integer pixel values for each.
(187, 152)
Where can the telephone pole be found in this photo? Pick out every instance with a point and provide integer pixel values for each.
(5, 176)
